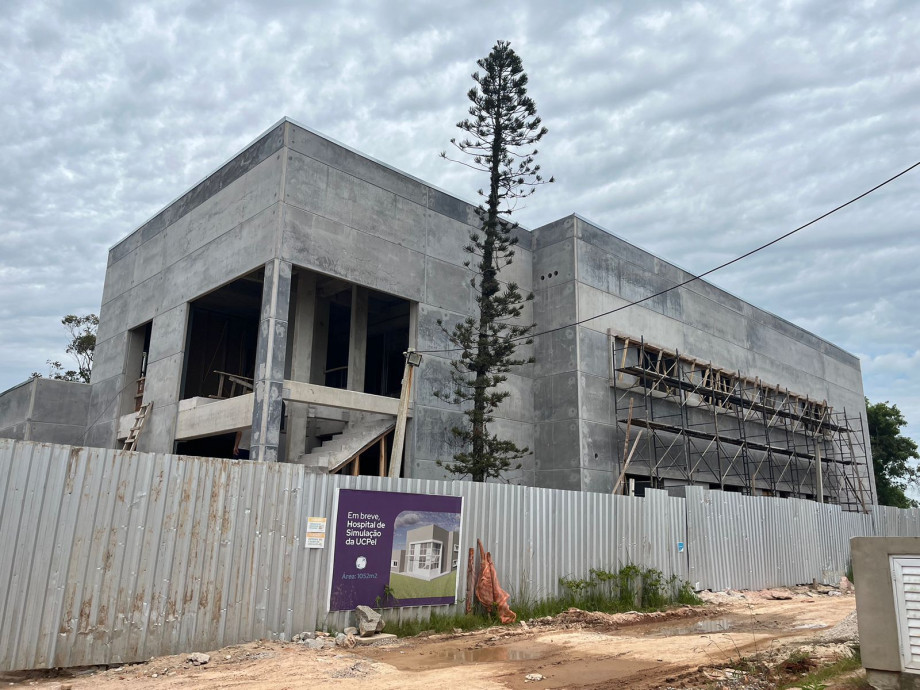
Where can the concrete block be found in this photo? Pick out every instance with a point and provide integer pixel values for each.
(554, 306)
(119, 277)
(593, 352)
(112, 317)
(376, 211)
(68, 435)
(356, 164)
(564, 453)
(100, 435)
(433, 376)
(597, 447)
(431, 336)
(448, 286)
(16, 406)
(164, 379)
(560, 401)
(565, 480)
(520, 271)
(159, 430)
(548, 234)
(306, 180)
(335, 249)
(434, 440)
(17, 431)
(446, 237)
(635, 283)
(260, 187)
(452, 207)
(614, 245)
(598, 481)
(595, 398)
(150, 258)
(426, 469)
(519, 405)
(105, 402)
(215, 216)
(124, 247)
(175, 241)
(595, 267)
(702, 313)
(236, 253)
(168, 333)
(554, 264)
(555, 352)
(61, 402)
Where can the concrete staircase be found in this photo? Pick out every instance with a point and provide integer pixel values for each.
(360, 434)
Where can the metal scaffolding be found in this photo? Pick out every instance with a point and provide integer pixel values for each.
(685, 421)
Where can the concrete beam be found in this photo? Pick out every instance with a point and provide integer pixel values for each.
(297, 391)
(214, 417)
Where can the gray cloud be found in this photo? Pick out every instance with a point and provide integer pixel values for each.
(695, 131)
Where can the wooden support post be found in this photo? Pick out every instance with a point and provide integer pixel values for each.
(616, 487)
(819, 475)
(413, 359)
(382, 471)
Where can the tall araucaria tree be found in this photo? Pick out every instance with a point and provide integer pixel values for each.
(499, 139)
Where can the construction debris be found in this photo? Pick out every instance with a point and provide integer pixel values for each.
(369, 621)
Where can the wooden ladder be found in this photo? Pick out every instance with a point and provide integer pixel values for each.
(142, 414)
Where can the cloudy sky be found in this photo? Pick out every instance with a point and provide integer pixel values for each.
(695, 130)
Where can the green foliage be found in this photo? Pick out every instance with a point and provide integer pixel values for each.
(499, 137)
(815, 679)
(630, 588)
(627, 589)
(82, 345)
(891, 455)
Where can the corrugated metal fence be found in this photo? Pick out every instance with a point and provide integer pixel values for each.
(108, 556)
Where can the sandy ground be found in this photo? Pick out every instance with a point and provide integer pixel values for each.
(686, 647)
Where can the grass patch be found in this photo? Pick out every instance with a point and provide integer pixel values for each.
(631, 588)
(406, 587)
(818, 678)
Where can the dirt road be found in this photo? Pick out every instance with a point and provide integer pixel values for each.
(681, 648)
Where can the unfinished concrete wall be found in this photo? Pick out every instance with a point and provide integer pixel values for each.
(297, 201)
(348, 216)
(45, 410)
(221, 229)
(581, 270)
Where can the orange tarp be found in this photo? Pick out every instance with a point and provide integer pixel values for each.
(489, 592)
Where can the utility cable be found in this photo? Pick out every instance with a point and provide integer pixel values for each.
(701, 275)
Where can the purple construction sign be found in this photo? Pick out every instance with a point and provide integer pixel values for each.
(394, 549)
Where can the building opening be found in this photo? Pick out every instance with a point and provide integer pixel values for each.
(223, 330)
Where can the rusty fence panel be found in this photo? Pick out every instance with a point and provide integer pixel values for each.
(111, 556)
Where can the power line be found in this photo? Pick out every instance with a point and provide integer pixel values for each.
(702, 275)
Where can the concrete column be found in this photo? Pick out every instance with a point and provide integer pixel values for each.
(164, 379)
(357, 339)
(320, 341)
(270, 353)
(304, 310)
(302, 336)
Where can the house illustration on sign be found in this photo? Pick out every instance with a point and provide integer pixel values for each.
(430, 552)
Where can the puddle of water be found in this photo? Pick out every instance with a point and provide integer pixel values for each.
(706, 626)
(489, 654)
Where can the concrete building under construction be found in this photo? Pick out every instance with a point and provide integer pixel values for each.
(276, 299)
